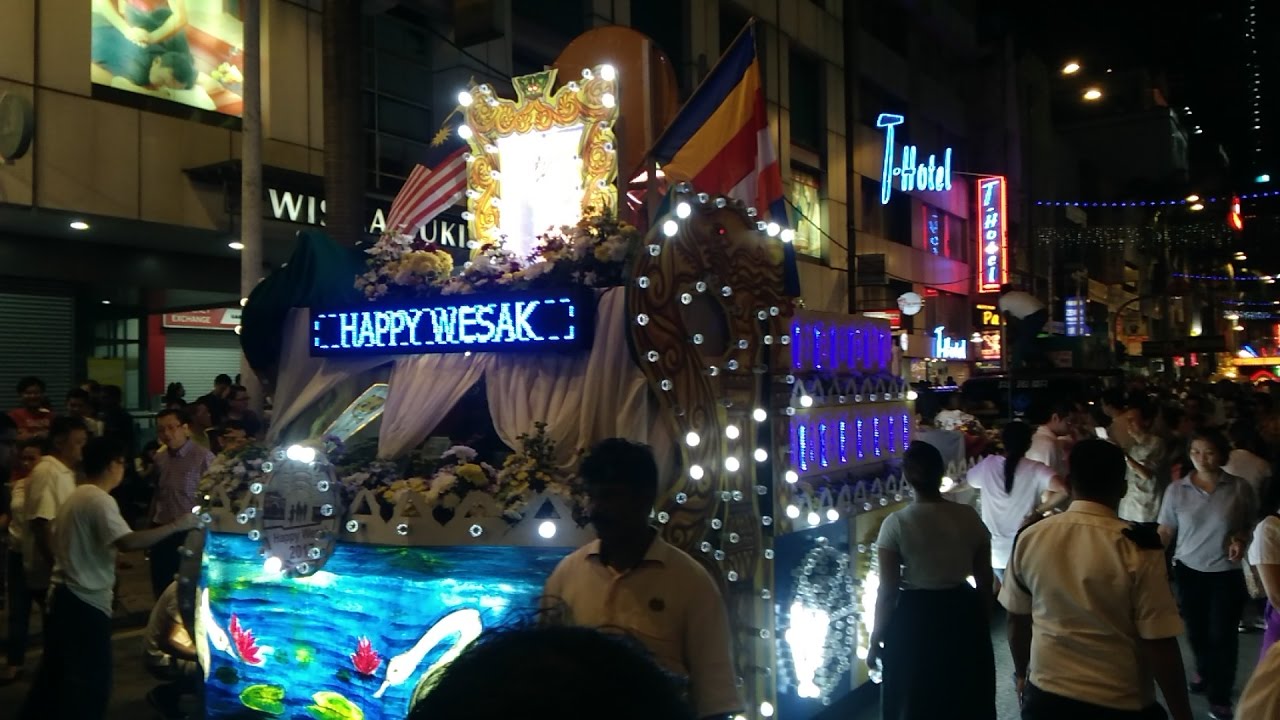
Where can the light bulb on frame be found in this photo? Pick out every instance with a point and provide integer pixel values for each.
(731, 464)
(759, 415)
(732, 432)
(793, 512)
(806, 401)
(692, 439)
(761, 455)
(791, 477)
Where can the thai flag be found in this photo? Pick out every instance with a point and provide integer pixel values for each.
(431, 189)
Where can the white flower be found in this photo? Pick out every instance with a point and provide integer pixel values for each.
(462, 452)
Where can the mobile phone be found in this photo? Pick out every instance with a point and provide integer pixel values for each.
(1101, 433)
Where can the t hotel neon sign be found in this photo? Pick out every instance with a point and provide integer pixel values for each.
(912, 175)
(993, 240)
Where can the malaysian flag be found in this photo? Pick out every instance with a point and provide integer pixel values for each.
(432, 188)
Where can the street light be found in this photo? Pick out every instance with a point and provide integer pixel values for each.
(1092, 94)
(1071, 68)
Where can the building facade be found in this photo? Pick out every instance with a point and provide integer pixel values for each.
(118, 227)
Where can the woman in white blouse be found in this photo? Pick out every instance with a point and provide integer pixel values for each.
(1013, 488)
(933, 605)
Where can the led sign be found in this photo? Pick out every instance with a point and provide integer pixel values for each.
(511, 321)
(949, 348)
(1075, 317)
(935, 232)
(993, 242)
(912, 175)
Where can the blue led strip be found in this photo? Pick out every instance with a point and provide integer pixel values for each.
(822, 445)
(875, 435)
(507, 322)
(906, 431)
(842, 436)
(859, 439)
(893, 436)
(802, 438)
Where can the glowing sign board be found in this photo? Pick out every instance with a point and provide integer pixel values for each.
(993, 240)
(912, 175)
(948, 348)
(511, 321)
(935, 232)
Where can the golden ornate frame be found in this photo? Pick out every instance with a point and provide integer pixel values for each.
(590, 101)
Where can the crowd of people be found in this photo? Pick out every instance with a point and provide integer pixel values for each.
(1111, 529)
(79, 490)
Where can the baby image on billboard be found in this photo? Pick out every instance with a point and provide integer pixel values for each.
(184, 51)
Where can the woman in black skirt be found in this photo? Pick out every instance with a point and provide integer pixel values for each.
(932, 634)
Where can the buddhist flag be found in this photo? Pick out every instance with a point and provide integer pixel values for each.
(720, 141)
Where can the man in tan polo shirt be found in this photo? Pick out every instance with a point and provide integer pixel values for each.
(631, 581)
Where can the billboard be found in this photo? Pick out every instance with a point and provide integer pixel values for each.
(183, 51)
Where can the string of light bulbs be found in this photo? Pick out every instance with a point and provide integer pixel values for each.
(1225, 278)
(1188, 201)
(1255, 75)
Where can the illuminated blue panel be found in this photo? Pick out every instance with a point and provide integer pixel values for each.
(337, 633)
(858, 439)
(797, 347)
(875, 435)
(802, 435)
(893, 436)
(843, 437)
(515, 321)
(822, 445)
(906, 431)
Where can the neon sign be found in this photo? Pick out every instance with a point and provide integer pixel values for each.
(935, 232)
(912, 175)
(949, 348)
(993, 240)
(511, 321)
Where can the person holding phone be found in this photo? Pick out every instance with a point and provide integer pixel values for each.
(1143, 456)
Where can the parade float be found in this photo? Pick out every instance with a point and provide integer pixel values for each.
(417, 486)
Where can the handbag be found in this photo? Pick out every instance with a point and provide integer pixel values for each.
(1253, 581)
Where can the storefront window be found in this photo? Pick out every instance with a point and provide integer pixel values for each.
(804, 195)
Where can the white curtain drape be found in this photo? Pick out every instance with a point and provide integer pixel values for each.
(422, 389)
(583, 398)
(302, 380)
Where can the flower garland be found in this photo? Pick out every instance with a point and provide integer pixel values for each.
(233, 471)
(442, 482)
(594, 252)
(404, 267)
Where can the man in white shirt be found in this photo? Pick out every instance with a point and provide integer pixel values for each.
(169, 655)
(632, 581)
(48, 487)
(74, 680)
(1053, 422)
(1091, 614)
(1026, 316)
